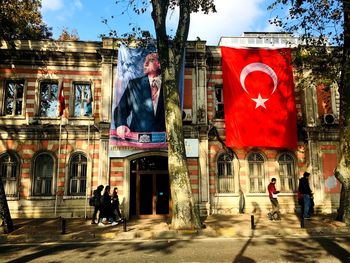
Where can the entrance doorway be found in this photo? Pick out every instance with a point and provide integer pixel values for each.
(149, 187)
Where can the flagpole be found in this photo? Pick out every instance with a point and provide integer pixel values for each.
(61, 107)
(88, 154)
(58, 165)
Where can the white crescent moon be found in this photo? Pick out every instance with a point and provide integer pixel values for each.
(258, 67)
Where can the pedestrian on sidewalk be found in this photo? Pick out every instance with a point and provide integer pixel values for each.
(106, 208)
(306, 193)
(96, 202)
(275, 213)
(115, 205)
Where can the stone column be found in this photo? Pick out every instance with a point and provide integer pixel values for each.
(109, 62)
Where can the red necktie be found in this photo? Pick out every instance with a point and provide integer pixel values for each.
(154, 90)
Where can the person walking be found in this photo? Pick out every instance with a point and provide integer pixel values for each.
(96, 202)
(115, 205)
(306, 193)
(275, 213)
(106, 208)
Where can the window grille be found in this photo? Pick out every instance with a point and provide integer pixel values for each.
(287, 172)
(77, 175)
(225, 174)
(219, 102)
(48, 99)
(256, 173)
(14, 97)
(9, 167)
(82, 100)
(43, 174)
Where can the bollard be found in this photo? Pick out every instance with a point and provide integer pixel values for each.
(252, 226)
(63, 225)
(124, 224)
(302, 221)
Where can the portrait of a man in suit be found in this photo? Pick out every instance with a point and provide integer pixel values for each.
(141, 107)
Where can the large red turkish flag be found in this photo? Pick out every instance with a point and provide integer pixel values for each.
(259, 97)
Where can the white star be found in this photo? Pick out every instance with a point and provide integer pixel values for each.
(260, 102)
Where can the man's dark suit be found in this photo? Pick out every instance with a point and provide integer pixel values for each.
(137, 100)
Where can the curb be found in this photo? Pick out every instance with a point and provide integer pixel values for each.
(177, 235)
(218, 226)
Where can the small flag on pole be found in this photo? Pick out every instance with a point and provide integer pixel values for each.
(61, 102)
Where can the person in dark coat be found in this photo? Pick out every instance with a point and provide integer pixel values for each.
(96, 202)
(106, 207)
(306, 193)
(115, 205)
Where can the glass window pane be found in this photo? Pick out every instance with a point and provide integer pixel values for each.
(218, 94)
(8, 174)
(10, 97)
(225, 174)
(19, 93)
(47, 186)
(10, 91)
(82, 100)
(256, 173)
(48, 99)
(14, 97)
(74, 186)
(77, 100)
(77, 174)
(9, 107)
(43, 174)
(287, 174)
(219, 103)
(82, 186)
(18, 107)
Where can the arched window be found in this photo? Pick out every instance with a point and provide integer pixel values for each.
(225, 174)
(9, 169)
(256, 173)
(77, 175)
(286, 172)
(43, 174)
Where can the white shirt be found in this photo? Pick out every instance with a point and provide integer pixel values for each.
(158, 82)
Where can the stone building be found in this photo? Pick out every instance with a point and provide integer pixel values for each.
(51, 164)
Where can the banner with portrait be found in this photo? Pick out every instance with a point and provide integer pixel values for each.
(138, 114)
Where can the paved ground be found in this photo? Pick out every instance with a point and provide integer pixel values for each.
(204, 250)
(240, 225)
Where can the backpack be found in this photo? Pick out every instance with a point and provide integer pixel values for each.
(92, 201)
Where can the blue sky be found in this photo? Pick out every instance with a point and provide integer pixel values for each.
(232, 19)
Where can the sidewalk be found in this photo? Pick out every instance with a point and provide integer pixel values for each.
(229, 226)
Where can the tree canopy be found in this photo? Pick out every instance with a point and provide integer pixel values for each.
(65, 35)
(22, 19)
(317, 22)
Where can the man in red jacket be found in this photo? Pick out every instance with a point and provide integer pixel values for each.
(275, 213)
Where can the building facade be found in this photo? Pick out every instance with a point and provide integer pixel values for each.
(50, 164)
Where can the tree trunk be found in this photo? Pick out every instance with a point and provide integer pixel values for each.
(184, 213)
(340, 210)
(342, 171)
(342, 174)
(5, 211)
